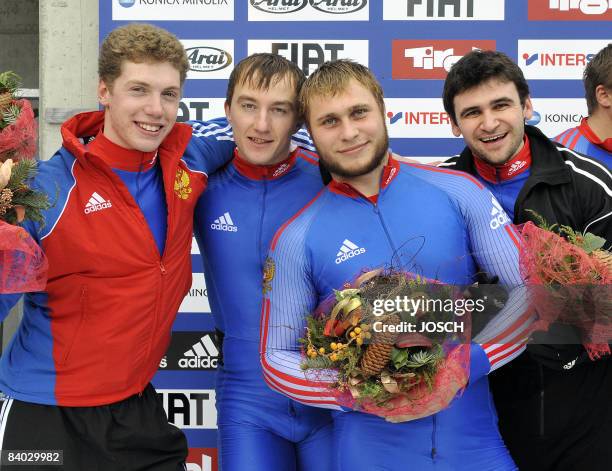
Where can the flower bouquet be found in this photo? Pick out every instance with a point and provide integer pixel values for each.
(396, 341)
(23, 266)
(569, 274)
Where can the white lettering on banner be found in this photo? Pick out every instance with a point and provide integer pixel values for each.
(309, 54)
(551, 59)
(209, 58)
(196, 300)
(450, 10)
(200, 109)
(309, 10)
(417, 118)
(173, 10)
(555, 115)
(588, 7)
(190, 409)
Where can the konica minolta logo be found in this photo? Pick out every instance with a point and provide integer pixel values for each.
(279, 6)
(208, 59)
(347, 251)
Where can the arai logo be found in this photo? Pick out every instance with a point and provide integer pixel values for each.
(338, 7)
(279, 6)
(207, 59)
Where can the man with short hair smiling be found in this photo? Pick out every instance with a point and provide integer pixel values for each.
(553, 402)
(75, 377)
(412, 217)
(594, 135)
(266, 183)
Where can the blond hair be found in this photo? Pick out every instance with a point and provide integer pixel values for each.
(140, 43)
(332, 78)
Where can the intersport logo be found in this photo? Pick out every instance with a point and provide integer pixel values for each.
(570, 10)
(308, 10)
(427, 59)
(551, 59)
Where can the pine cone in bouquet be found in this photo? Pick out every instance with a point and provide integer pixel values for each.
(378, 352)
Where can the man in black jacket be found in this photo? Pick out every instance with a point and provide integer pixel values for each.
(554, 403)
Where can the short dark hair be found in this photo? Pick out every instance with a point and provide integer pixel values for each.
(261, 70)
(478, 67)
(597, 72)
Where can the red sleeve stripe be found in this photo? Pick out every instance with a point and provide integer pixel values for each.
(309, 157)
(511, 352)
(512, 329)
(447, 171)
(298, 398)
(293, 218)
(511, 230)
(300, 392)
(575, 140)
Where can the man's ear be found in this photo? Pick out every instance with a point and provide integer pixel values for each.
(455, 128)
(103, 93)
(226, 107)
(603, 96)
(528, 109)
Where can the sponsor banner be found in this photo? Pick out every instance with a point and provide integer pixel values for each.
(555, 115)
(190, 409)
(309, 10)
(173, 10)
(417, 118)
(309, 54)
(450, 10)
(202, 459)
(191, 351)
(570, 10)
(209, 58)
(430, 59)
(200, 109)
(560, 59)
(197, 297)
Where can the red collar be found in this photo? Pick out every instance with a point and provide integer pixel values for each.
(264, 172)
(587, 132)
(499, 173)
(119, 157)
(390, 171)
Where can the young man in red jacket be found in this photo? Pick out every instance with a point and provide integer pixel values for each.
(75, 378)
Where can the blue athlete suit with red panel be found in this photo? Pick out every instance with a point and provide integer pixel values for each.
(582, 139)
(440, 224)
(235, 221)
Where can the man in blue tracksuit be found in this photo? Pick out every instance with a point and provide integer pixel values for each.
(553, 401)
(375, 213)
(594, 135)
(265, 184)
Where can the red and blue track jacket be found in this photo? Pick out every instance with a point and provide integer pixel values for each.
(96, 334)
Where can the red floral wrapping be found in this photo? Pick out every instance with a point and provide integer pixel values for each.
(18, 140)
(23, 265)
(568, 286)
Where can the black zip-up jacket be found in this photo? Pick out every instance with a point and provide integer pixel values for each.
(554, 404)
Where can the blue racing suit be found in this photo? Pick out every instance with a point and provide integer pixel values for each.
(582, 139)
(243, 207)
(435, 222)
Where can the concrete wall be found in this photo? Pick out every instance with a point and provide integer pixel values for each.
(68, 65)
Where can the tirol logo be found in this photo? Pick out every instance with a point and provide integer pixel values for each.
(338, 7)
(570, 10)
(202, 459)
(279, 6)
(427, 59)
(127, 3)
(208, 59)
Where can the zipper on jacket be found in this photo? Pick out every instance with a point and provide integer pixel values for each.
(433, 437)
(162, 268)
(384, 226)
(262, 251)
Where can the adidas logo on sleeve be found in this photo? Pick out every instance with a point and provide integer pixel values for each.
(499, 217)
(224, 223)
(348, 250)
(97, 203)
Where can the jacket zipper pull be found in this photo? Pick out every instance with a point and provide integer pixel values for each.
(162, 268)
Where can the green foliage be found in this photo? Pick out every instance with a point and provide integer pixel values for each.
(34, 202)
(9, 82)
(9, 115)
